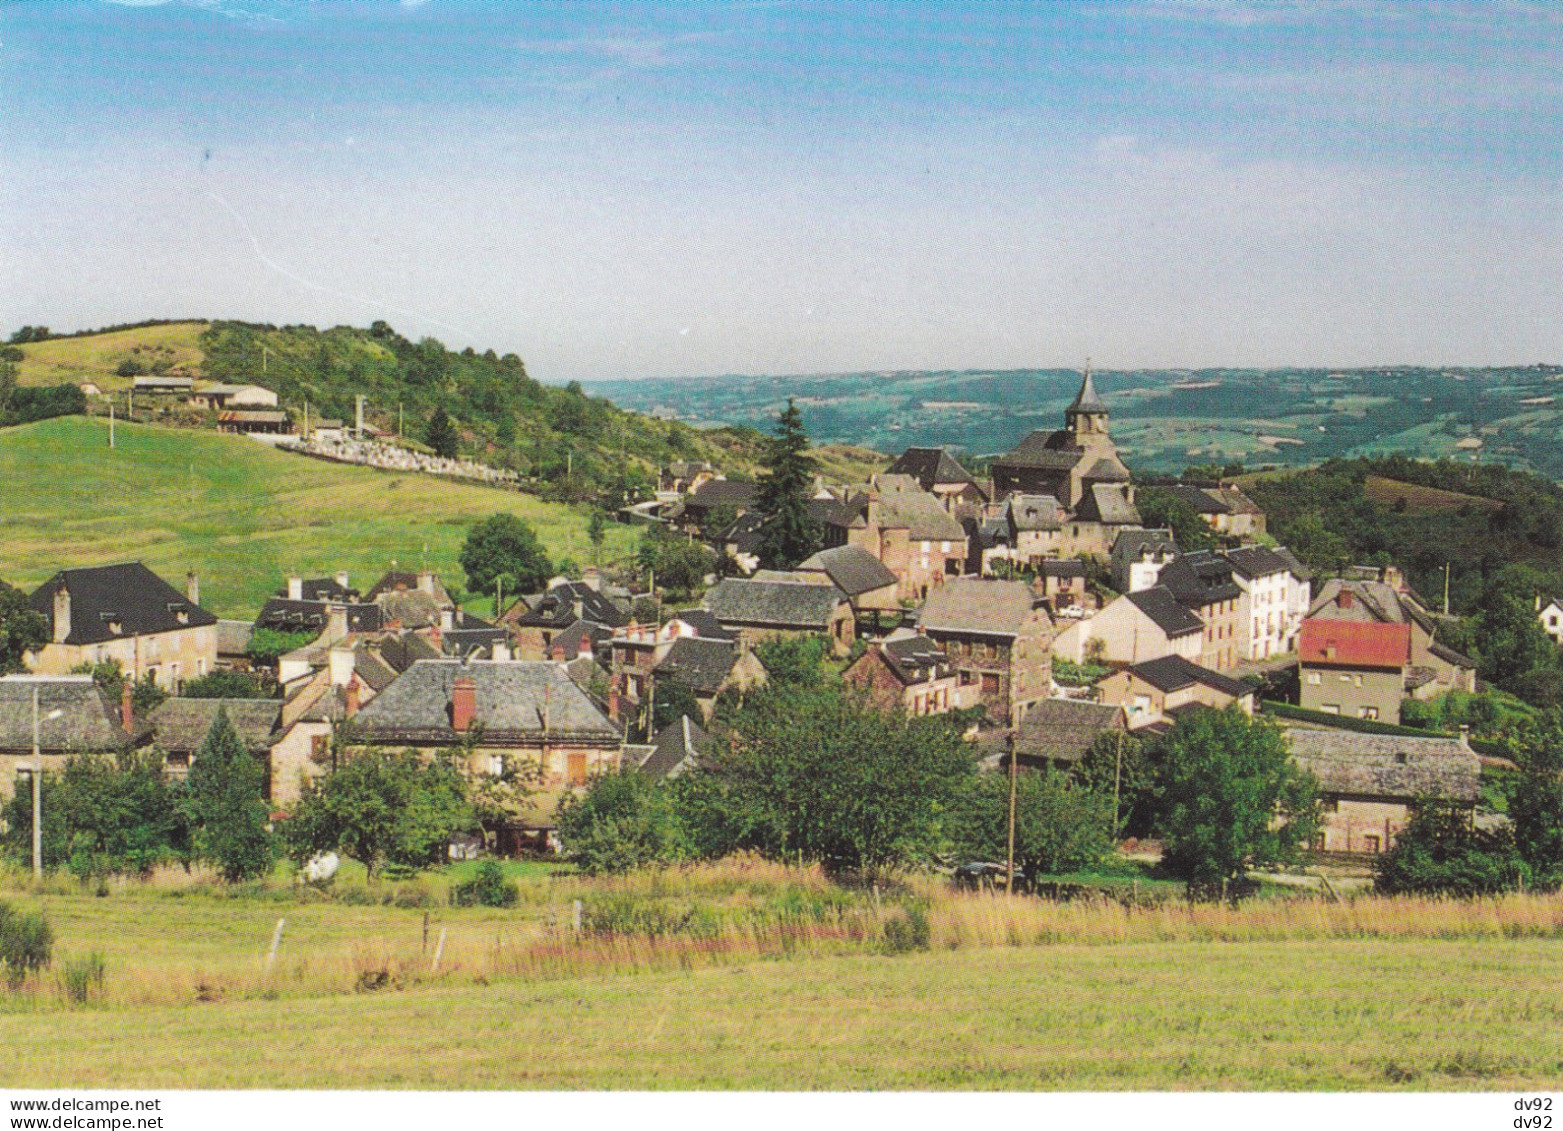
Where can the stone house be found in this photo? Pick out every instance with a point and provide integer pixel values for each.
(940, 474)
(127, 613)
(1061, 732)
(868, 582)
(1354, 668)
(562, 613)
(909, 530)
(1138, 556)
(756, 611)
(999, 637)
(1140, 626)
(86, 723)
(1155, 691)
(909, 671)
(179, 726)
(1371, 784)
(1203, 583)
(1224, 508)
(707, 668)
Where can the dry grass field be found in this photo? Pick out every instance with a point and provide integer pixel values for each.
(241, 514)
(1422, 500)
(95, 357)
(751, 975)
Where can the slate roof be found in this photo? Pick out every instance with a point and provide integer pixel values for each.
(233, 637)
(1135, 543)
(1199, 578)
(1034, 512)
(395, 580)
(921, 515)
(557, 608)
(1106, 470)
(569, 638)
(512, 700)
(1086, 399)
(129, 595)
(1354, 644)
(88, 723)
(279, 614)
(1062, 730)
(413, 607)
(841, 513)
(854, 570)
(1450, 656)
(778, 604)
(979, 605)
(1165, 612)
(722, 492)
(1370, 600)
(705, 624)
(406, 649)
(931, 465)
(372, 669)
(323, 589)
(1055, 450)
(1256, 561)
(744, 534)
(1395, 767)
(1066, 567)
(180, 725)
(912, 657)
(700, 665)
(1174, 673)
(1294, 563)
(1108, 503)
(677, 748)
(1201, 500)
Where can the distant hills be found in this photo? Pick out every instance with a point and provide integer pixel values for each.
(1162, 420)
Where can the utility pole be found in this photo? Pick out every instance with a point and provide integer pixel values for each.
(38, 787)
(1117, 774)
(1446, 588)
(1009, 859)
(111, 423)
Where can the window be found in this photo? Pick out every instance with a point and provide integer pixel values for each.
(1329, 805)
(1356, 680)
(1372, 842)
(990, 683)
(319, 746)
(577, 767)
(1313, 679)
(1367, 713)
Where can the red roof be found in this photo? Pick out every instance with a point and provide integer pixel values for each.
(1354, 644)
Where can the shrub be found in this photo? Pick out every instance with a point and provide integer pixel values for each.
(1442, 853)
(625, 821)
(490, 887)
(82, 977)
(26, 942)
(907, 931)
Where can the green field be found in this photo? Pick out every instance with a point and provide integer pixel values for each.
(239, 513)
(95, 357)
(1011, 994)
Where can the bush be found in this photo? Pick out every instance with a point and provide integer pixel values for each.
(82, 977)
(490, 887)
(1442, 853)
(26, 942)
(626, 820)
(907, 931)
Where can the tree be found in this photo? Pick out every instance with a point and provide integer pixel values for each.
(1118, 764)
(226, 806)
(1441, 852)
(382, 807)
(596, 531)
(504, 545)
(101, 815)
(1159, 507)
(145, 694)
(789, 534)
(1060, 825)
(267, 645)
(441, 434)
(1512, 648)
(1229, 798)
(1536, 809)
(224, 685)
(21, 629)
(626, 820)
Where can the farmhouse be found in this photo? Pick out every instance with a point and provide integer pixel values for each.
(1061, 731)
(1370, 784)
(999, 637)
(1155, 691)
(74, 718)
(1354, 668)
(1432, 667)
(763, 610)
(127, 613)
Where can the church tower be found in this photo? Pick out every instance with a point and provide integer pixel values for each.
(1086, 418)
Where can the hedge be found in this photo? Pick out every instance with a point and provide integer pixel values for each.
(1345, 722)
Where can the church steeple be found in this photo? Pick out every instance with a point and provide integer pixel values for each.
(1088, 414)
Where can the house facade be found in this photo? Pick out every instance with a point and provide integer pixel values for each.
(1354, 668)
(909, 671)
(1154, 692)
(74, 718)
(757, 611)
(998, 635)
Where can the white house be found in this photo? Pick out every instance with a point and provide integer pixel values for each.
(1273, 602)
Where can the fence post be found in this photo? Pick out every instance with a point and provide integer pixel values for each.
(439, 949)
(575, 916)
(276, 941)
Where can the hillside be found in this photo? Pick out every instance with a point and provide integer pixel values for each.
(239, 513)
(173, 348)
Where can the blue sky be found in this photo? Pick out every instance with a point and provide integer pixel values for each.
(620, 190)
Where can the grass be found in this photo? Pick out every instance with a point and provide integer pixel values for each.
(1422, 500)
(95, 357)
(754, 975)
(239, 513)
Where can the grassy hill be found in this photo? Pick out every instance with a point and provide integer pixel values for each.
(173, 347)
(239, 513)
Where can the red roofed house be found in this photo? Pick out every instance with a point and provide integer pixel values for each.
(1354, 668)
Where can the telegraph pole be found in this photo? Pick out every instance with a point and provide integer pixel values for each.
(1009, 860)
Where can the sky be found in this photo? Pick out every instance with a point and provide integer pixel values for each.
(630, 190)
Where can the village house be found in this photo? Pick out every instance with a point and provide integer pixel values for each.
(999, 637)
(179, 726)
(1550, 615)
(1354, 668)
(717, 495)
(1063, 582)
(909, 671)
(216, 397)
(909, 530)
(1432, 667)
(74, 718)
(676, 749)
(1136, 627)
(1272, 597)
(757, 611)
(1138, 556)
(1060, 732)
(563, 613)
(868, 583)
(940, 474)
(1371, 784)
(682, 477)
(706, 668)
(1224, 508)
(1202, 583)
(1156, 691)
(127, 613)
(499, 716)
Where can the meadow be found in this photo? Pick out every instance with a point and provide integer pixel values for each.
(239, 513)
(175, 346)
(747, 974)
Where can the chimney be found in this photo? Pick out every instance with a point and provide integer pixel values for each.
(295, 587)
(501, 651)
(437, 638)
(1343, 599)
(586, 643)
(447, 620)
(613, 704)
(426, 582)
(127, 707)
(341, 662)
(62, 614)
(350, 695)
(341, 578)
(558, 650)
(463, 703)
(336, 622)
(193, 587)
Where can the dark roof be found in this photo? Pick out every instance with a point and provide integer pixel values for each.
(838, 512)
(180, 725)
(1134, 543)
(700, 665)
(282, 615)
(1201, 500)
(1390, 766)
(931, 465)
(780, 604)
(913, 658)
(569, 638)
(1162, 607)
(413, 607)
(744, 534)
(854, 570)
(979, 605)
(564, 604)
(88, 722)
(1055, 451)
(1034, 512)
(1174, 673)
(372, 669)
(323, 589)
(395, 580)
(1108, 503)
(1450, 656)
(676, 747)
(1106, 470)
(129, 595)
(513, 699)
(1062, 730)
(403, 651)
(1199, 578)
(1066, 567)
(722, 493)
(1086, 399)
(1294, 563)
(1256, 561)
(704, 624)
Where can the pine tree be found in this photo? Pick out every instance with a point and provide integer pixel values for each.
(441, 434)
(226, 805)
(790, 534)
